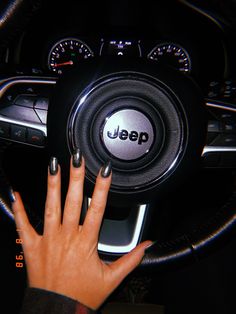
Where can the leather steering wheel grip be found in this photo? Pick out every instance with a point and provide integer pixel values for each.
(196, 244)
(14, 15)
(6, 195)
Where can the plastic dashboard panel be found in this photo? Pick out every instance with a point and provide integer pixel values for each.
(149, 25)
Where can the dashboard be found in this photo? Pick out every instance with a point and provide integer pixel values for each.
(67, 53)
(192, 42)
(64, 52)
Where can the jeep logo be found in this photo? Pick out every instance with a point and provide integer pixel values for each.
(133, 136)
(127, 134)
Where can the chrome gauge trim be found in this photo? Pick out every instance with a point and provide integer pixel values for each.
(179, 48)
(59, 44)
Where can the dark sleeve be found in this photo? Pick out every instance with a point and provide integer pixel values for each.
(39, 301)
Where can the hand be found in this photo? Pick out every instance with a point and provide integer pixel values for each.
(65, 259)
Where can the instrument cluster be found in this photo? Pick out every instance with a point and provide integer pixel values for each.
(67, 53)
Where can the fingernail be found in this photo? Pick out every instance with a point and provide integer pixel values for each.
(77, 158)
(149, 246)
(12, 196)
(106, 169)
(53, 166)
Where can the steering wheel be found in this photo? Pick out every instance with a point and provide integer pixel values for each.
(152, 123)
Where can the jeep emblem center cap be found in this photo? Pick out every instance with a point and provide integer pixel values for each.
(128, 134)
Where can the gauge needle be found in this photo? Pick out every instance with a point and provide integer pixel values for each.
(63, 63)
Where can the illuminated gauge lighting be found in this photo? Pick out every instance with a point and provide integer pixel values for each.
(173, 55)
(67, 53)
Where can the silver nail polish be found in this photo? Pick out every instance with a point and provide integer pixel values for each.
(53, 166)
(12, 195)
(106, 169)
(150, 246)
(77, 158)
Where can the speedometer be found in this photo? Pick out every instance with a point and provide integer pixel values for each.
(67, 53)
(173, 55)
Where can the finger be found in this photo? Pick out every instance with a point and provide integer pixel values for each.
(52, 215)
(24, 228)
(97, 206)
(127, 263)
(74, 196)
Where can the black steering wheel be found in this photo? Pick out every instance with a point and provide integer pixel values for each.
(149, 120)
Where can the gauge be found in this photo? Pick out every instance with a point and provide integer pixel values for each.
(173, 55)
(67, 53)
(127, 48)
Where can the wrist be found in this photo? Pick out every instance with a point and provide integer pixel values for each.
(42, 301)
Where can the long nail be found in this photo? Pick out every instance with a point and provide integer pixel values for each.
(77, 158)
(106, 169)
(12, 195)
(149, 246)
(53, 166)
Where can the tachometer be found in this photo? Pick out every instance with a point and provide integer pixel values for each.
(67, 53)
(173, 55)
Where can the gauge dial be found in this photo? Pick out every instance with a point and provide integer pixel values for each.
(173, 55)
(67, 53)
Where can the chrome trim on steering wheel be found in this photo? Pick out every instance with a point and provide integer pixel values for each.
(221, 105)
(5, 84)
(136, 233)
(36, 126)
(121, 249)
(217, 149)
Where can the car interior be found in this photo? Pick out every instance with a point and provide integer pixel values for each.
(151, 86)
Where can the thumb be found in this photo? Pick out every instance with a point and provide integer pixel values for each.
(124, 265)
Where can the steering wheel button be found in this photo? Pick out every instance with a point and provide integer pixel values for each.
(41, 103)
(20, 113)
(213, 126)
(128, 134)
(35, 137)
(211, 137)
(4, 129)
(25, 101)
(229, 127)
(42, 114)
(228, 140)
(18, 133)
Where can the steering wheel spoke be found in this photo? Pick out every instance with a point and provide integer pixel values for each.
(122, 236)
(24, 104)
(220, 150)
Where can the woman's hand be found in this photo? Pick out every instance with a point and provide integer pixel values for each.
(65, 258)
